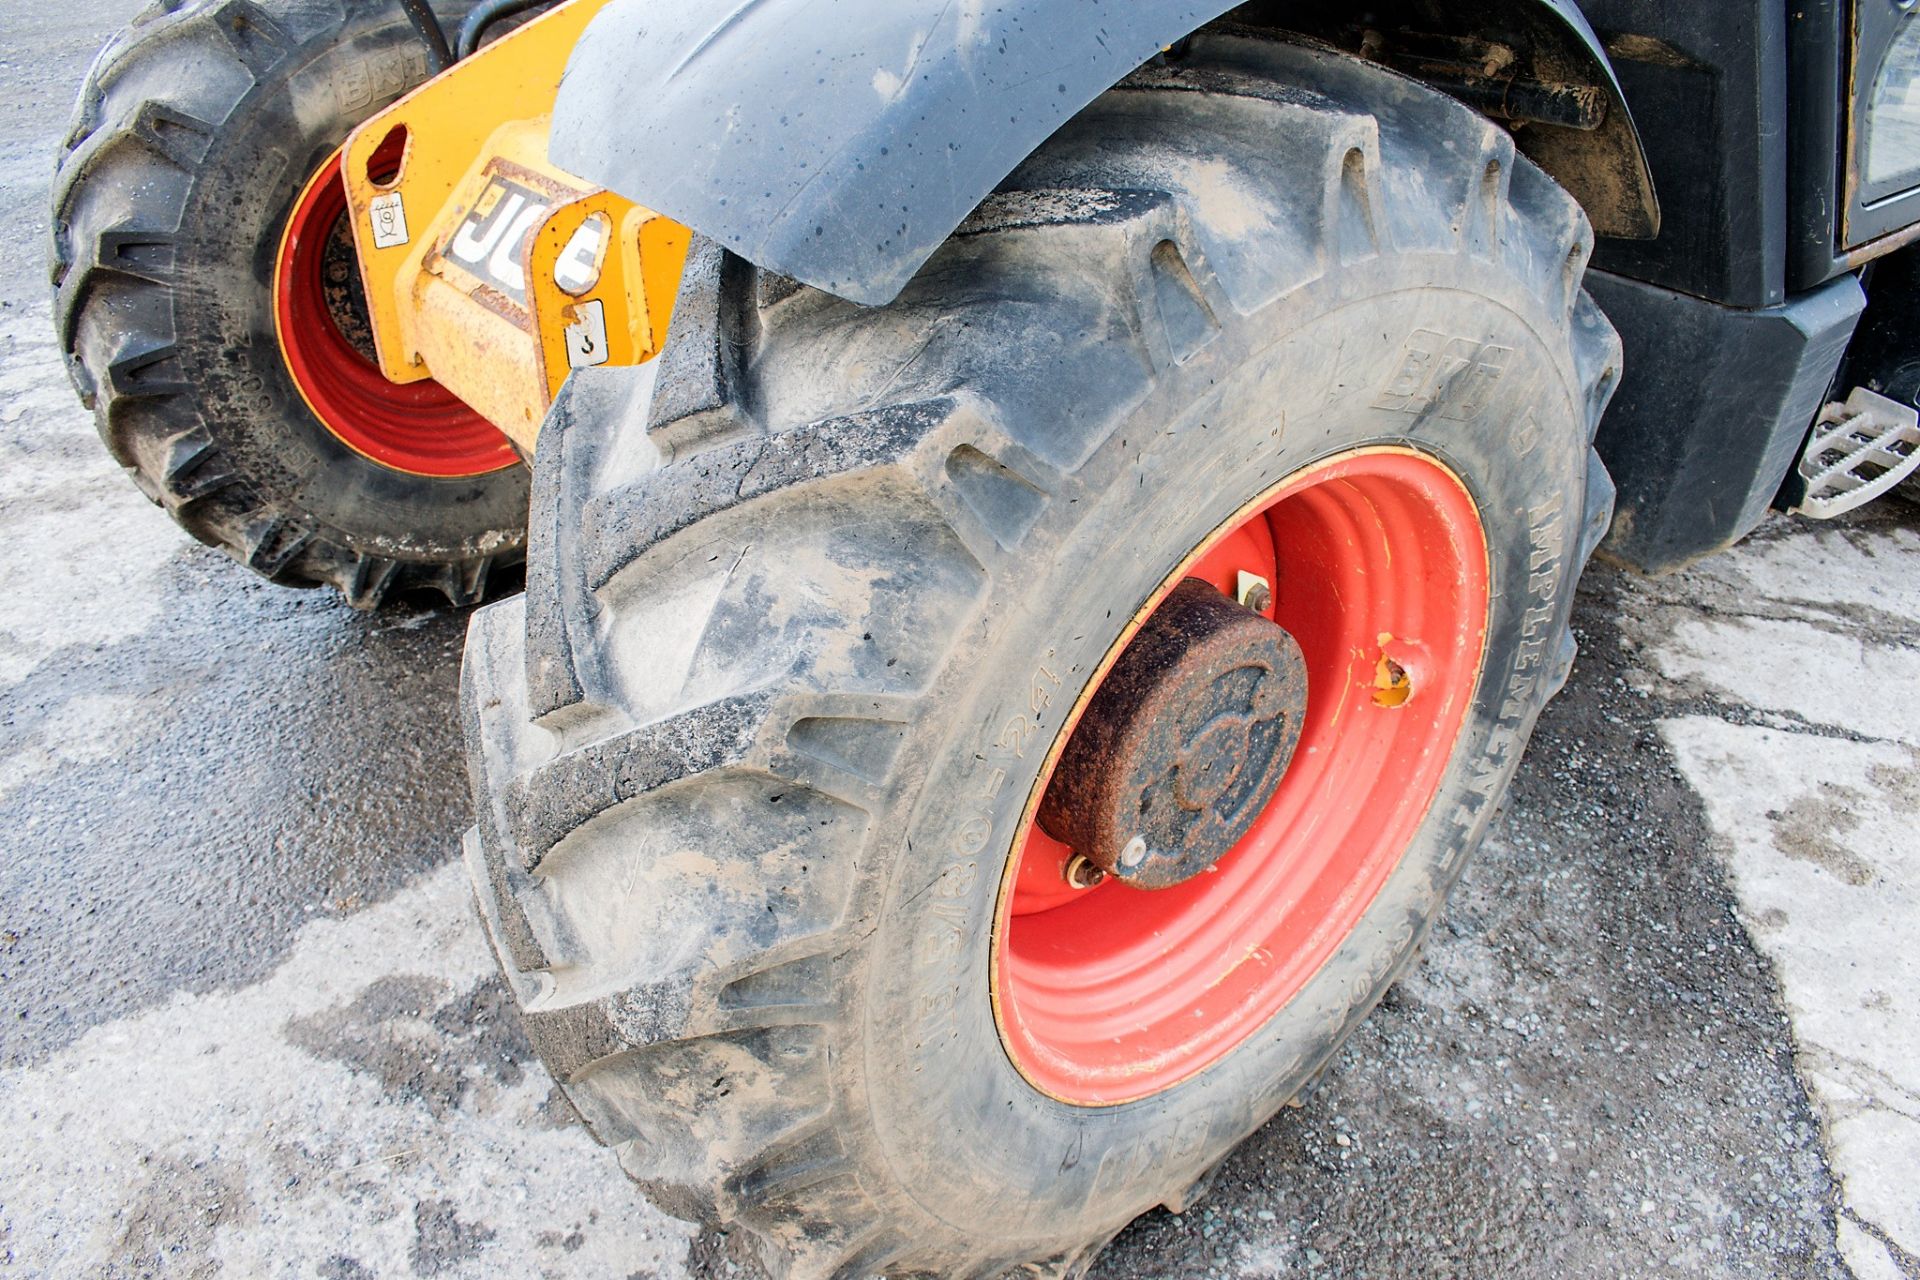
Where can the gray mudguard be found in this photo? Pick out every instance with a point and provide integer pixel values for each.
(841, 141)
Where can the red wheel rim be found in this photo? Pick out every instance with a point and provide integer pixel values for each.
(1379, 569)
(416, 427)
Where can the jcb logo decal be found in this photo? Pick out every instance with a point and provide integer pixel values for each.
(491, 240)
(1455, 376)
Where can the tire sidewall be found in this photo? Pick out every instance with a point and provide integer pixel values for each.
(299, 110)
(1311, 376)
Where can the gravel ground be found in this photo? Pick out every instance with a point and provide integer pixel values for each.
(250, 1027)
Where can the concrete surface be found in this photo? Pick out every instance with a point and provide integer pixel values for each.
(1668, 1028)
(1810, 769)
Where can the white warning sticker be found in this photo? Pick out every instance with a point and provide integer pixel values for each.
(389, 219)
(587, 335)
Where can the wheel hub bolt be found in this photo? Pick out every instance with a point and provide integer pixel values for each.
(1081, 873)
(1253, 591)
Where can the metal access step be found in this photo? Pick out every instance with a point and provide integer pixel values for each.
(1858, 451)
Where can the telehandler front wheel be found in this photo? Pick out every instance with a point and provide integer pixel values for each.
(207, 293)
(960, 767)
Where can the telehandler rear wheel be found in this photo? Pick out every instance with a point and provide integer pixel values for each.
(209, 298)
(959, 767)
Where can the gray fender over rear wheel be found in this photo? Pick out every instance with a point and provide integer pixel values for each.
(736, 848)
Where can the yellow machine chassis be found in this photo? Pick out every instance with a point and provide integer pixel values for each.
(486, 266)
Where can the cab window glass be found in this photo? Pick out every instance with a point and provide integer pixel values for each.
(1893, 111)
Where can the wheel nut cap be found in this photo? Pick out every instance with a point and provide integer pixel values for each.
(1184, 743)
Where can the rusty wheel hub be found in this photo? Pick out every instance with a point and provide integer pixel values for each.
(1184, 743)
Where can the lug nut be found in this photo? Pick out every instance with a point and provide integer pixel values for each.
(1082, 874)
(1253, 591)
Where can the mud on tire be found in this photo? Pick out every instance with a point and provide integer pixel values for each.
(750, 753)
(194, 133)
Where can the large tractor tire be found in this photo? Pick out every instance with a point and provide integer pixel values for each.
(805, 824)
(207, 293)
